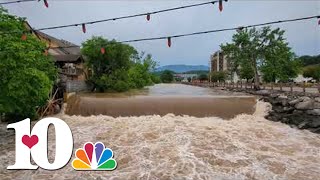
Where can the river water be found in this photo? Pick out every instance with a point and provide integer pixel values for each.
(162, 99)
(184, 147)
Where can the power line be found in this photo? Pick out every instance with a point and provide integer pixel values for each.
(210, 31)
(225, 29)
(148, 14)
(15, 2)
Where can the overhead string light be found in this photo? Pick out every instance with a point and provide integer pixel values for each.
(84, 30)
(147, 14)
(103, 50)
(221, 4)
(24, 37)
(169, 41)
(237, 28)
(148, 17)
(46, 3)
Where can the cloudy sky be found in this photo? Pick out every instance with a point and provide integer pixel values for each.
(303, 37)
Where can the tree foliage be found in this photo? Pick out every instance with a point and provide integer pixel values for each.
(262, 49)
(119, 69)
(310, 60)
(312, 72)
(27, 75)
(246, 71)
(218, 76)
(166, 76)
(203, 77)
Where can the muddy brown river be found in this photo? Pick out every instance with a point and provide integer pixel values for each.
(246, 146)
(162, 99)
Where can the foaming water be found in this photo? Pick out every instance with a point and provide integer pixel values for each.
(184, 147)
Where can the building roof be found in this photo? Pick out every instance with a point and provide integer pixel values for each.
(62, 51)
(64, 47)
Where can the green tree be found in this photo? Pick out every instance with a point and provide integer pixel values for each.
(310, 60)
(155, 78)
(120, 68)
(203, 77)
(166, 76)
(279, 62)
(263, 48)
(27, 75)
(218, 76)
(109, 71)
(312, 72)
(246, 71)
(139, 74)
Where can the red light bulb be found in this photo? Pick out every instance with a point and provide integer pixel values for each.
(46, 3)
(84, 28)
(24, 37)
(102, 50)
(169, 41)
(148, 17)
(220, 5)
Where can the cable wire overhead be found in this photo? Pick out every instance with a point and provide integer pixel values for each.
(169, 38)
(225, 29)
(147, 14)
(15, 2)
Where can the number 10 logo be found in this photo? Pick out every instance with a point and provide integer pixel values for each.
(36, 144)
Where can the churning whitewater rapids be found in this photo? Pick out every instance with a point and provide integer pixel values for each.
(183, 147)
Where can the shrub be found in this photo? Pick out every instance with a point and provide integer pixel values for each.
(166, 76)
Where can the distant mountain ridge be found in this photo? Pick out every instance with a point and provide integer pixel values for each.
(180, 68)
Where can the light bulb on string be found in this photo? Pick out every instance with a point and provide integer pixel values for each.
(169, 41)
(148, 17)
(319, 21)
(103, 50)
(46, 3)
(24, 37)
(84, 30)
(220, 5)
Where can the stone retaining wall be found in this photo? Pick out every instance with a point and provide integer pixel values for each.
(297, 109)
(77, 86)
(301, 110)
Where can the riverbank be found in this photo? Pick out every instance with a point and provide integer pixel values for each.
(171, 147)
(297, 109)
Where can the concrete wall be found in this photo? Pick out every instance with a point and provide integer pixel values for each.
(77, 86)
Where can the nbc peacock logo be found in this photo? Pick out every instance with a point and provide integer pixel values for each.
(94, 157)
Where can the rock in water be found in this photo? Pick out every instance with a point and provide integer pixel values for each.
(315, 112)
(305, 105)
(294, 102)
(263, 92)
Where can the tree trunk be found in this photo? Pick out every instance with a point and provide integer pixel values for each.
(256, 75)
